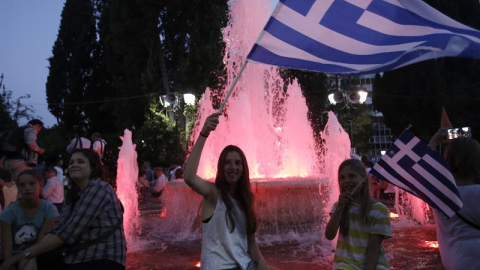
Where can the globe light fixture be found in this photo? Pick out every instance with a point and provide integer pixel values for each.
(358, 96)
(189, 99)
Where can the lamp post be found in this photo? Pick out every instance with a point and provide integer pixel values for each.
(175, 108)
(349, 99)
(189, 102)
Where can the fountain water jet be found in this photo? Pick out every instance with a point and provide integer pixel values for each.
(270, 125)
(127, 176)
(293, 186)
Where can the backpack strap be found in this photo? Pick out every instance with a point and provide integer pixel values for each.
(102, 148)
(75, 145)
(468, 221)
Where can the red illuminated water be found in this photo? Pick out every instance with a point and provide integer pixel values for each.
(408, 249)
(270, 126)
(294, 187)
(127, 175)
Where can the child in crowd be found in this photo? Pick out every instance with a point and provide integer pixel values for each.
(363, 223)
(92, 228)
(9, 189)
(4, 176)
(229, 220)
(26, 220)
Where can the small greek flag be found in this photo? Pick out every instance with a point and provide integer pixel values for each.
(411, 165)
(360, 36)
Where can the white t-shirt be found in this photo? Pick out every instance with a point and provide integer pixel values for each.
(459, 242)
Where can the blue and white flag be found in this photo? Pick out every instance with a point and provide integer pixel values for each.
(360, 36)
(411, 165)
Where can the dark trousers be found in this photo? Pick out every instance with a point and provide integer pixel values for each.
(59, 207)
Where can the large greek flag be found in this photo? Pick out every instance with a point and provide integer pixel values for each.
(411, 165)
(360, 36)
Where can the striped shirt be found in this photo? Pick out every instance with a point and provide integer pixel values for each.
(351, 249)
(96, 211)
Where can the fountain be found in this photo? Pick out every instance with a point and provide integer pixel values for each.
(294, 187)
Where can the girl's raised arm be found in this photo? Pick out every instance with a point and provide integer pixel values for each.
(190, 175)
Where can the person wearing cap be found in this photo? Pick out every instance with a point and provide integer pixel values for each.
(53, 191)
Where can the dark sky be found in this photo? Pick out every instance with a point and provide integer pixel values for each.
(28, 29)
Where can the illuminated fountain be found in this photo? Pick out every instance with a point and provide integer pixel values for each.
(294, 187)
(291, 182)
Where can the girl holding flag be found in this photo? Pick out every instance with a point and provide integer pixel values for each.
(363, 223)
(229, 220)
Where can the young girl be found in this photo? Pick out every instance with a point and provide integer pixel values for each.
(93, 226)
(229, 222)
(26, 220)
(363, 223)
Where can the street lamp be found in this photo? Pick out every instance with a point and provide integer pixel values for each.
(349, 100)
(189, 99)
(349, 97)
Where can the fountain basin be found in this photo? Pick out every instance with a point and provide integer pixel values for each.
(282, 206)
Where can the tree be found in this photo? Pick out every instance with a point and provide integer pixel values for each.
(158, 142)
(131, 53)
(415, 94)
(12, 111)
(72, 63)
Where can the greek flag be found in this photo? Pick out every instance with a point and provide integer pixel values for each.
(360, 36)
(411, 165)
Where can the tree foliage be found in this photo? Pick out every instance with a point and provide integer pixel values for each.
(71, 65)
(158, 142)
(113, 59)
(415, 94)
(12, 111)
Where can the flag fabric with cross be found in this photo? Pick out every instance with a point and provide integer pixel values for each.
(412, 166)
(360, 36)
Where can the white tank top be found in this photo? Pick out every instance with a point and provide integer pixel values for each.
(220, 248)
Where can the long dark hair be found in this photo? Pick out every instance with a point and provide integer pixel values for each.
(366, 202)
(95, 173)
(463, 157)
(243, 190)
(92, 159)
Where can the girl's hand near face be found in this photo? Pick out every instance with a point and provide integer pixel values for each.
(344, 199)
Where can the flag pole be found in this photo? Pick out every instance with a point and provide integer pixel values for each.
(234, 83)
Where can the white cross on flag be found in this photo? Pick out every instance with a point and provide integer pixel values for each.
(360, 36)
(411, 165)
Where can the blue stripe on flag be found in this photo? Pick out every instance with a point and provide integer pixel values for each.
(348, 26)
(265, 56)
(425, 169)
(406, 17)
(439, 177)
(407, 163)
(302, 7)
(305, 43)
(412, 188)
(375, 47)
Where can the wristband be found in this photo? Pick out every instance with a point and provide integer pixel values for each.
(203, 135)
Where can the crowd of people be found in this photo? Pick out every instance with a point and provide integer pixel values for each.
(40, 231)
(40, 228)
